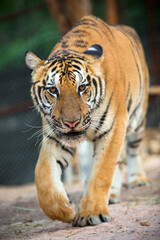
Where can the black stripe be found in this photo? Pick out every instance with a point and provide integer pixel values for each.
(80, 31)
(53, 69)
(39, 95)
(108, 130)
(34, 83)
(100, 89)
(139, 103)
(135, 109)
(81, 45)
(44, 82)
(64, 44)
(63, 148)
(65, 162)
(89, 20)
(129, 104)
(80, 41)
(52, 63)
(134, 144)
(86, 21)
(100, 85)
(47, 99)
(77, 67)
(61, 165)
(89, 26)
(89, 79)
(35, 97)
(95, 85)
(36, 100)
(105, 24)
(67, 150)
(104, 114)
(140, 125)
(76, 61)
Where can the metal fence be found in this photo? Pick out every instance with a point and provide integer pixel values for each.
(18, 120)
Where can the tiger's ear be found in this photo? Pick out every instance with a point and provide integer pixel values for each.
(94, 52)
(32, 61)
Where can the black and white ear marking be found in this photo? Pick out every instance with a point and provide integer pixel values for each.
(95, 51)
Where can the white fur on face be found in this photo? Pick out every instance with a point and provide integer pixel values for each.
(53, 80)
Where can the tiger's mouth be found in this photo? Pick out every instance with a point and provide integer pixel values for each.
(73, 137)
(73, 133)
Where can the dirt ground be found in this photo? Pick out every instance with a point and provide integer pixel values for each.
(137, 216)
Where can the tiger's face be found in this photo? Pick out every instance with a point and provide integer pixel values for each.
(65, 92)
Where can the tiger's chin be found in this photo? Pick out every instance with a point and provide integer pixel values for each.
(73, 138)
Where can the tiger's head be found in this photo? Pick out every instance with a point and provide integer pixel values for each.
(65, 90)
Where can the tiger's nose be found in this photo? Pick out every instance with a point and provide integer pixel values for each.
(72, 124)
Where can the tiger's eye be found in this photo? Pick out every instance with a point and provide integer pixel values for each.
(82, 88)
(53, 90)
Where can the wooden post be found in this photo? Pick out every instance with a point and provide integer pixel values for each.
(58, 13)
(77, 9)
(153, 41)
(111, 11)
(68, 12)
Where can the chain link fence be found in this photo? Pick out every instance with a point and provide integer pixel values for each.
(34, 29)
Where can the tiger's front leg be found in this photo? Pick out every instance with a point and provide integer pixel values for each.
(52, 197)
(93, 207)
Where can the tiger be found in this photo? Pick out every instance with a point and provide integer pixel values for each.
(93, 87)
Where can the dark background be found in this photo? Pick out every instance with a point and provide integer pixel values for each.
(29, 25)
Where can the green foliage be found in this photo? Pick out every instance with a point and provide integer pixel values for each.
(36, 31)
(11, 6)
(98, 8)
(135, 13)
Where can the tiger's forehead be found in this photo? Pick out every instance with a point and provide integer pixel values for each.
(64, 69)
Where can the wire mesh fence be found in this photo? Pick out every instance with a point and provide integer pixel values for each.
(17, 117)
(34, 29)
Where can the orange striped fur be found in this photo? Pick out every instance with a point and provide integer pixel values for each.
(94, 87)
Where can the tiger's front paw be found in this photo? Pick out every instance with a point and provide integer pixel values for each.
(84, 218)
(58, 208)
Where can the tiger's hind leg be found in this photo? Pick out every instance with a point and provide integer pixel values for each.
(136, 173)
